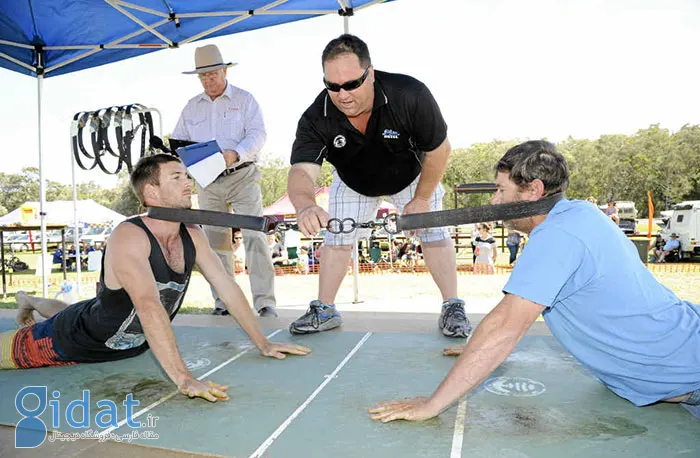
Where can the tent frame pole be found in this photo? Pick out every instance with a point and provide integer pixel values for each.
(76, 228)
(42, 187)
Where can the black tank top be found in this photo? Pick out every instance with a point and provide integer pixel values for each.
(107, 328)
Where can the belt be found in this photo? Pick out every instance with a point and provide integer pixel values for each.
(228, 172)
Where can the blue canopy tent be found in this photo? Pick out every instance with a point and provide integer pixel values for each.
(45, 38)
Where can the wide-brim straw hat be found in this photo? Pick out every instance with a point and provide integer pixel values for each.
(207, 59)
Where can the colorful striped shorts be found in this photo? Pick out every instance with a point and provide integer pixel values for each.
(28, 347)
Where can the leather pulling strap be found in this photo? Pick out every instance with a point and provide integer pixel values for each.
(211, 218)
(471, 215)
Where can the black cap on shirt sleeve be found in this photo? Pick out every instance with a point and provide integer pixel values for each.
(429, 127)
(308, 144)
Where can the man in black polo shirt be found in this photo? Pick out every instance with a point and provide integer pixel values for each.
(385, 136)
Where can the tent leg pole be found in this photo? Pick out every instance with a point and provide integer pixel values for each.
(76, 229)
(42, 193)
(346, 24)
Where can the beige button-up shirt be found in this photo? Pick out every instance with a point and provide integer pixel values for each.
(233, 119)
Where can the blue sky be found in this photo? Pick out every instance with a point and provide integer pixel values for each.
(500, 69)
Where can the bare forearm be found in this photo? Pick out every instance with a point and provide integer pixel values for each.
(161, 339)
(434, 166)
(237, 305)
(487, 349)
(300, 187)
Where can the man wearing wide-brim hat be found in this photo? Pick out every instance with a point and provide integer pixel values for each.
(233, 118)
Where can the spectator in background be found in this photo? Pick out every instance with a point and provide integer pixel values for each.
(87, 248)
(318, 249)
(238, 251)
(513, 243)
(396, 249)
(277, 250)
(593, 200)
(475, 235)
(70, 258)
(407, 254)
(375, 253)
(58, 256)
(486, 252)
(611, 211)
(303, 261)
(672, 244)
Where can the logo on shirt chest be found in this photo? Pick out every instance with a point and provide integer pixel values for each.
(388, 133)
(339, 141)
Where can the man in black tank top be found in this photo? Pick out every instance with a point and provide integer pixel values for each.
(145, 273)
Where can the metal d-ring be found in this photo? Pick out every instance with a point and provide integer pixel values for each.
(351, 225)
(391, 224)
(332, 229)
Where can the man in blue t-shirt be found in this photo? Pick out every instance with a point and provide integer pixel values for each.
(642, 342)
(669, 246)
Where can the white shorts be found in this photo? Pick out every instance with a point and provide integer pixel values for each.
(346, 203)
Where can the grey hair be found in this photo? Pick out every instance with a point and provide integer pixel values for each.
(536, 160)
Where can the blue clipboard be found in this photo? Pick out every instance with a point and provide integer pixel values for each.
(194, 153)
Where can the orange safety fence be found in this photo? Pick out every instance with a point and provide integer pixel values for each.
(26, 281)
(673, 267)
(384, 268)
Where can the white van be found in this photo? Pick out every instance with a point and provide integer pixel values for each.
(685, 221)
(96, 235)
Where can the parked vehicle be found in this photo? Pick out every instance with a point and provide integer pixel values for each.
(685, 221)
(627, 212)
(22, 242)
(96, 235)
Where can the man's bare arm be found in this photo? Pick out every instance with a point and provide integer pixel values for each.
(493, 340)
(434, 166)
(311, 218)
(232, 296)
(127, 263)
(301, 183)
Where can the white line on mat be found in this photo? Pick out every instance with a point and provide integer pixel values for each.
(265, 445)
(166, 397)
(459, 429)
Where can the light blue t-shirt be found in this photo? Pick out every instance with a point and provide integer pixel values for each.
(606, 308)
(672, 244)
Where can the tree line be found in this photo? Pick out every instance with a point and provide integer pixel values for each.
(612, 167)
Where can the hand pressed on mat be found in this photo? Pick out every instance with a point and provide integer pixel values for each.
(412, 409)
(278, 350)
(210, 391)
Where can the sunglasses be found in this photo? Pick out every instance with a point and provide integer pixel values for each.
(348, 86)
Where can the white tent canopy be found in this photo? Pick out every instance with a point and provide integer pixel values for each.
(61, 212)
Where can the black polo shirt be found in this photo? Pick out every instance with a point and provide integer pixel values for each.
(405, 123)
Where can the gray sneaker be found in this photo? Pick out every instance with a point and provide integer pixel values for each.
(319, 317)
(453, 320)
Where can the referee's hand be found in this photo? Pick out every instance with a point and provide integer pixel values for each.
(312, 219)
